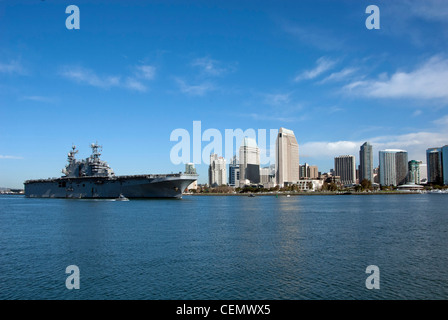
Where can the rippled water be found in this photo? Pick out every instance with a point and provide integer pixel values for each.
(308, 247)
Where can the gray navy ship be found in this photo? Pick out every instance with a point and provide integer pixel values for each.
(94, 178)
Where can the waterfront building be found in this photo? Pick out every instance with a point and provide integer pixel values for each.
(190, 169)
(345, 169)
(393, 167)
(286, 158)
(414, 171)
(437, 165)
(217, 173)
(445, 164)
(266, 177)
(423, 173)
(234, 172)
(308, 172)
(434, 164)
(366, 162)
(376, 175)
(249, 162)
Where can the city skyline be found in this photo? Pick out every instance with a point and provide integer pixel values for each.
(132, 74)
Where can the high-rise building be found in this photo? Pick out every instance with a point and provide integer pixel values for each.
(234, 172)
(286, 158)
(393, 167)
(249, 162)
(344, 167)
(414, 171)
(437, 164)
(217, 173)
(445, 164)
(308, 172)
(423, 173)
(434, 163)
(189, 168)
(366, 162)
(265, 175)
(376, 175)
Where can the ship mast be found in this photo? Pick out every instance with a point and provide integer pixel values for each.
(71, 154)
(96, 152)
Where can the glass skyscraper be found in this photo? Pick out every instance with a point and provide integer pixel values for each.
(366, 162)
(435, 168)
(414, 171)
(445, 164)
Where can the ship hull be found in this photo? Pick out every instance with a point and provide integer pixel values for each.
(142, 186)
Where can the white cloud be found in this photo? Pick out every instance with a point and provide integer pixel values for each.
(429, 81)
(414, 143)
(443, 121)
(39, 99)
(323, 65)
(330, 149)
(277, 99)
(340, 75)
(146, 72)
(9, 157)
(11, 67)
(275, 117)
(134, 84)
(209, 66)
(416, 113)
(194, 90)
(323, 39)
(87, 76)
(428, 9)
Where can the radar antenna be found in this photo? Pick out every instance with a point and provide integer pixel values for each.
(96, 151)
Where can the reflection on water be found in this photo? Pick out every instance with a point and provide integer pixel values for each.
(310, 247)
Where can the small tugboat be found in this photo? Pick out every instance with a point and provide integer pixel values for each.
(251, 195)
(121, 197)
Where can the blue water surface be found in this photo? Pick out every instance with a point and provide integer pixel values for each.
(226, 247)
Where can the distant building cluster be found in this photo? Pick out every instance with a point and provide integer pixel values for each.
(394, 170)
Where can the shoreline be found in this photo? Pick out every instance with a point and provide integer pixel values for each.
(305, 194)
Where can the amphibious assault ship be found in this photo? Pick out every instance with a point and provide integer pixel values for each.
(94, 178)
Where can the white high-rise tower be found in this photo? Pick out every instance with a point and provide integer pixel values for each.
(249, 162)
(286, 158)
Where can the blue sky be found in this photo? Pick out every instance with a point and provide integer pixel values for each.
(137, 70)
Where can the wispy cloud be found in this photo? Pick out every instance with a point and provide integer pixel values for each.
(12, 67)
(39, 99)
(86, 76)
(275, 117)
(89, 77)
(322, 39)
(277, 99)
(339, 75)
(10, 157)
(416, 113)
(428, 81)
(432, 10)
(211, 67)
(323, 64)
(134, 84)
(147, 72)
(194, 90)
(443, 121)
